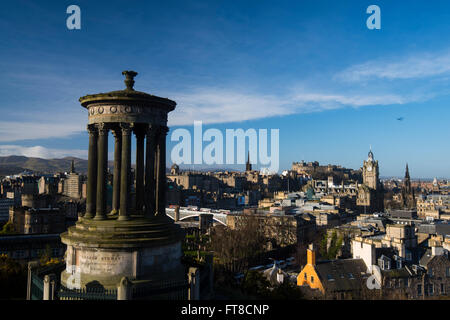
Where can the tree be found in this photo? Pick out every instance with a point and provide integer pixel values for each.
(331, 250)
(235, 247)
(13, 279)
(255, 284)
(8, 228)
(286, 291)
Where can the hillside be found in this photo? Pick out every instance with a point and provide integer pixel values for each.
(16, 164)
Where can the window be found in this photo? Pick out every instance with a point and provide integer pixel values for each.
(350, 275)
(442, 288)
(430, 272)
(330, 277)
(431, 289)
(447, 272)
(408, 256)
(312, 279)
(419, 289)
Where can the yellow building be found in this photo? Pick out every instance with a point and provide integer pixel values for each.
(308, 276)
(334, 279)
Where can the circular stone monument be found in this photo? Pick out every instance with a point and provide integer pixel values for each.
(135, 240)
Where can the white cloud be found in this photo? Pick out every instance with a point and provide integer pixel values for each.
(15, 130)
(411, 67)
(320, 101)
(41, 152)
(222, 106)
(212, 105)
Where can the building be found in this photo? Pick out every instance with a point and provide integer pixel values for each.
(48, 185)
(72, 183)
(280, 230)
(29, 247)
(37, 220)
(399, 238)
(370, 193)
(317, 171)
(248, 165)
(334, 279)
(407, 194)
(429, 279)
(29, 185)
(5, 204)
(433, 206)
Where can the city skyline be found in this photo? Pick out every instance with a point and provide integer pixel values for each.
(312, 70)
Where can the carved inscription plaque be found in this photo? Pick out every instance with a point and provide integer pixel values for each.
(101, 262)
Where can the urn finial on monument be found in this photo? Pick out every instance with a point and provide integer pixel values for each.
(129, 78)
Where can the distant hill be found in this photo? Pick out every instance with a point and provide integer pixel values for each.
(11, 165)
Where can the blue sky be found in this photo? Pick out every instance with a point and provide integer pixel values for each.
(309, 68)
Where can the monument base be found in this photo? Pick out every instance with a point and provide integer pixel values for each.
(101, 253)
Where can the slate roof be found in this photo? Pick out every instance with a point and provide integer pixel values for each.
(341, 274)
(396, 273)
(405, 214)
(426, 258)
(443, 229)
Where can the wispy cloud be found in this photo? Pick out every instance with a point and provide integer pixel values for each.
(410, 67)
(223, 106)
(14, 131)
(212, 105)
(310, 102)
(41, 152)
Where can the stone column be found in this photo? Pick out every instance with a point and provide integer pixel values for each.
(49, 287)
(161, 173)
(116, 180)
(92, 172)
(140, 135)
(31, 266)
(102, 171)
(194, 284)
(125, 171)
(150, 172)
(124, 290)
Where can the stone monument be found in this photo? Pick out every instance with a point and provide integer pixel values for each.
(137, 241)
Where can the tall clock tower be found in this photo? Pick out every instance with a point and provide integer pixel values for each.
(371, 172)
(370, 192)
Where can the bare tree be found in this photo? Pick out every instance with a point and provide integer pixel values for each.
(235, 247)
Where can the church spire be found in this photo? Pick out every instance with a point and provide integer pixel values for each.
(370, 154)
(407, 172)
(248, 165)
(72, 167)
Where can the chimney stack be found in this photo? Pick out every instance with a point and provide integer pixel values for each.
(311, 255)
